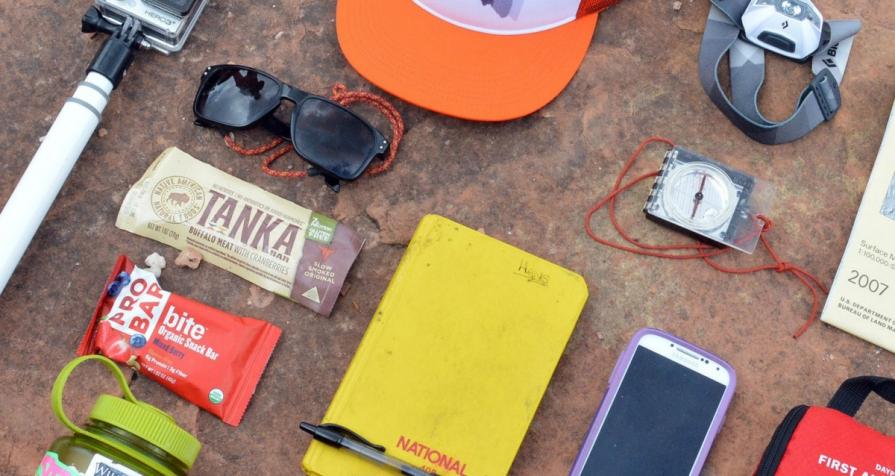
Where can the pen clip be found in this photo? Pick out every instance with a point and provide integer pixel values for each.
(354, 436)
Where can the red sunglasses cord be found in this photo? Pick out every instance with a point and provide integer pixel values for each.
(346, 98)
(695, 250)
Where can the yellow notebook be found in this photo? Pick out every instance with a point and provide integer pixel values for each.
(457, 357)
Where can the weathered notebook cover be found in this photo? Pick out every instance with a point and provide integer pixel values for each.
(457, 357)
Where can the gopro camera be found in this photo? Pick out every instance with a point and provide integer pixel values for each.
(792, 28)
(165, 24)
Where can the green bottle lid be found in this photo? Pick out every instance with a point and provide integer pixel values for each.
(150, 424)
(138, 418)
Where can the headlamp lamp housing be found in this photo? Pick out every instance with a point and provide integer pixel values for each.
(791, 28)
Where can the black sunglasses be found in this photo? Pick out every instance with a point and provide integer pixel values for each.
(335, 141)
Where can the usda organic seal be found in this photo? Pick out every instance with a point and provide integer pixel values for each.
(216, 396)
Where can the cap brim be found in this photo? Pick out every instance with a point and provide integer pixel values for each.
(410, 53)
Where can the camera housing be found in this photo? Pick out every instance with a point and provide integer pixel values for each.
(792, 28)
(165, 24)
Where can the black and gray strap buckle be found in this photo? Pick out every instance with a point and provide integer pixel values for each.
(825, 89)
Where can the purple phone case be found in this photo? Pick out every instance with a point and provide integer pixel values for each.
(615, 381)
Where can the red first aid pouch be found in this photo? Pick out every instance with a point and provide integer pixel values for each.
(828, 441)
(207, 356)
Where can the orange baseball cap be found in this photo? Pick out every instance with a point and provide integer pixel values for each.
(486, 60)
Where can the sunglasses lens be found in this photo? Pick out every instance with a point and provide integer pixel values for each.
(237, 97)
(333, 137)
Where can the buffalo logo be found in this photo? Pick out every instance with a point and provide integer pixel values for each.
(177, 199)
(785, 24)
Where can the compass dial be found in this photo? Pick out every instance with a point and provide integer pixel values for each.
(699, 196)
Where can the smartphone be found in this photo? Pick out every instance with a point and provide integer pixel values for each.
(666, 402)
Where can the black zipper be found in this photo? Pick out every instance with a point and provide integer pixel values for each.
(773, 455)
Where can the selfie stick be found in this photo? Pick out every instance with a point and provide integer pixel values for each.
(63, 144)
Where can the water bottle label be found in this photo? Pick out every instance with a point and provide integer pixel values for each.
(102, 466)
(51, 466)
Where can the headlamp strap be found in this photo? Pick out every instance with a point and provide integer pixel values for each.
(818, 103)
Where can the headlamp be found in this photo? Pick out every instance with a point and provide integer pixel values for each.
(743, 30)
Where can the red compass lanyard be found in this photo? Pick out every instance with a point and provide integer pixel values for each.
(695, 250)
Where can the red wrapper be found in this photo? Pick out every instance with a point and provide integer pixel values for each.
(207, 356)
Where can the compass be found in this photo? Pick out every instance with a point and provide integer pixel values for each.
(699, 196)
(705, 199)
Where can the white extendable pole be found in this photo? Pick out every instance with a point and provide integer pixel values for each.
(48, 170)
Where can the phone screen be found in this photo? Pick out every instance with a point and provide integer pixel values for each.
(658, 420)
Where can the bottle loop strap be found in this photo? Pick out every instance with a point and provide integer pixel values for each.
(346, 98)
(695, 250)
(59, 387)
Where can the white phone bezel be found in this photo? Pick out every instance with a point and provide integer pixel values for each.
(689, 357)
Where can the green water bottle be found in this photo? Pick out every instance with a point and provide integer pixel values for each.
(124, 436)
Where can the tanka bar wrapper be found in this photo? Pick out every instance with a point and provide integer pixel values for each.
(267, 240)
(862, 298)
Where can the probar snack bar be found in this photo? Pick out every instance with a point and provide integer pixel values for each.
(267, 240)
(207, 356)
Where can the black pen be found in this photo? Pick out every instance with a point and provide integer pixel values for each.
(340, 437)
